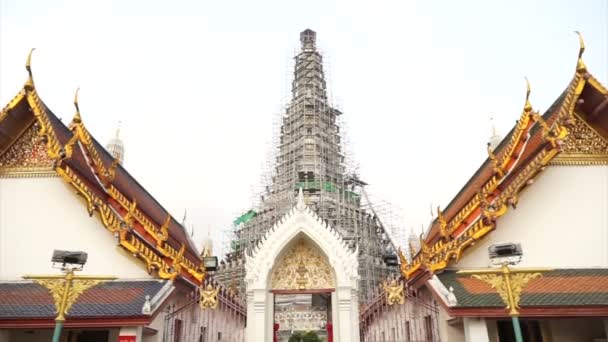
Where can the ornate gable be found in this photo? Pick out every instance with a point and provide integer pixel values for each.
(583, 146)
(27, 157)
(301, 220)
(303, 266)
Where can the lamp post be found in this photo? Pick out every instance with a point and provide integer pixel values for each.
(509, 283)
(208, 295)
(66, 288)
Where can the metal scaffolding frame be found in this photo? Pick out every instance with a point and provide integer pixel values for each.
(308, 153)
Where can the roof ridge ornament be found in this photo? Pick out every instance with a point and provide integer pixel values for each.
(77, 118)
(29, 84)
(580, 65)
(528, 105)
(301, 205)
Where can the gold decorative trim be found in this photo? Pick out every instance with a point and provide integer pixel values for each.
(575, 159)
(33, 172)
(12, 104)
(493, 206)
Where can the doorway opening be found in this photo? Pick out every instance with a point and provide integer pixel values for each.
(300, 314)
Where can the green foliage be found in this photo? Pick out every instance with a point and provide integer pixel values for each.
(310, 336)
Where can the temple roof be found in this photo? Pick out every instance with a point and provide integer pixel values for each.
(113, 300)
(124, 206)
(533, 143)
(555, 292)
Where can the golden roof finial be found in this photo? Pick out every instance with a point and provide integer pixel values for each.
(443, 224)
(77, 119)
(528, 105)
(28, 66)
(580, 65)
(494, 160)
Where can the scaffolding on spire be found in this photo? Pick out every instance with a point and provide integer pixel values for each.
(308, 153)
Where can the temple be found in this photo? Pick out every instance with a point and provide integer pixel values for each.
(518, 254)
(544, 187)
(60, 189)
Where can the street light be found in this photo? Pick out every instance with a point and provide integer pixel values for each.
(210, 263)
(61, 286)
(507, 282)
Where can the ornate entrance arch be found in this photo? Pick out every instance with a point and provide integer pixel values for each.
(301, 230)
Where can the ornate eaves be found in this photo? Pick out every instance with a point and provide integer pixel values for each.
(131, 232)
(478, 216)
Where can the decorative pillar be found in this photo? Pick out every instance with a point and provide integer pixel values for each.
(256, 316)
(475, 330)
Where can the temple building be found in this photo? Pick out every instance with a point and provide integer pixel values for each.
(544, 187)
(60, 189)
(310, 156)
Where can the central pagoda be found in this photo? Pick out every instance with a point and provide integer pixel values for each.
(310, 157)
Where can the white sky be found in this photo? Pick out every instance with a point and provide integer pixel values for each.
(198, 83)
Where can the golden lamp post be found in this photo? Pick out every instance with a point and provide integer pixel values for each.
(509, 283)
(66, 288)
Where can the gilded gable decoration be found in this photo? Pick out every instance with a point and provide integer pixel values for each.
(27, 157)
(302, 267)
(582, 146)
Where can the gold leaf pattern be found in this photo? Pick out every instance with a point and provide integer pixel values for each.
(302, 267)
(27, 152)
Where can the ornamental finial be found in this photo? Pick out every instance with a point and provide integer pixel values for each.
(301, 205)
(77, 119)
(28, 66)
(527, 106)
(580, 65)
(581, 43)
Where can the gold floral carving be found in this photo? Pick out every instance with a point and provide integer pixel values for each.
(57, 287)
(302, 267)
(517, 283)
(26, 155)
(582, 146)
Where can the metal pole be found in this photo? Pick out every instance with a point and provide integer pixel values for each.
(61, 309)
(517, 329)
(57, 331)
(506, 272)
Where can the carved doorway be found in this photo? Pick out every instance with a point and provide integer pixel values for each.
(302, 284)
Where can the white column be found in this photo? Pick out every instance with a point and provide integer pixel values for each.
(475, 330)
(256, 316)
(348, 322)
(131, 331)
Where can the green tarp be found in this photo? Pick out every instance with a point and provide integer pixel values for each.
(244, 218)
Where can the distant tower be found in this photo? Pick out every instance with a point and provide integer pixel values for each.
(495, 139)
(310, 157)
(116, 147)
(207, 245)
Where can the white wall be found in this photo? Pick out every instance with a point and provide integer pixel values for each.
(561, 221)
(38, 215)
(449, 332)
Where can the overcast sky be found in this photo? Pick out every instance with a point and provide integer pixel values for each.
(197, 85)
